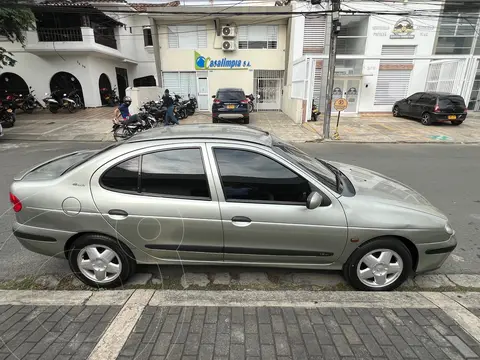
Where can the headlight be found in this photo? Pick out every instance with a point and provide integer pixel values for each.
(449, 229)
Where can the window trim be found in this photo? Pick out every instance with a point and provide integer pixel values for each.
(267, 41)
(313, 187)
(139, 175)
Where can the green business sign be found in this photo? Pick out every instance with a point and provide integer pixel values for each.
(207, 63)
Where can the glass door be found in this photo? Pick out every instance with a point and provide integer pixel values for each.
(474, 103)
(348, 89)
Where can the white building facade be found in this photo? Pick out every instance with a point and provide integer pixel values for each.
(383, 57)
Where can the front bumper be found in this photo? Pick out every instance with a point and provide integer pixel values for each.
(432, 256)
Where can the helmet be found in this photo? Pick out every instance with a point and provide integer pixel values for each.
(127, 100)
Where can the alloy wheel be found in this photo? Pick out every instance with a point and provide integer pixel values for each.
(395, 111)
(379, 268)
(99, 263)
(426, 119)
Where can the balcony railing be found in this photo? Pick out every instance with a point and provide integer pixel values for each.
(106, 40)
(59, 34)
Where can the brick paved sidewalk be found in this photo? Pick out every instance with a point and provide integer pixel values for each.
(154, 325)
(176, 333)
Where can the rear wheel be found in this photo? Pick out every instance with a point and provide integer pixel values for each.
(215, 121)
(396, 111)
(456, 122)
(250, 107)
(426, 119)
(53, 109)
(379, 265)
(121, 133)
(71, 107)
(100, 261)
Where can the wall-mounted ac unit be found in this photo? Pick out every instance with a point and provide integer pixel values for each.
(228, 45)
(229, 31)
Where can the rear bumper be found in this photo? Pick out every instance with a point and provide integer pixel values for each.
(42, 241)
(432, 256)
(232, 115)
(444, 117)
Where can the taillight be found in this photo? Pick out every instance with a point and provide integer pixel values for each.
(216, 101)
(465, 110)
(17, 205)
(436, 109)
(244, 101)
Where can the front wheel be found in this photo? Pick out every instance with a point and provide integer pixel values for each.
(71, 107)
(426, 119)
(456, 122)
(53, 109)
(100, 261)
(396, 111)
(379, 265)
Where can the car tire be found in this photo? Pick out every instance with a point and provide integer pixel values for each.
(356, 269)
(246, 120)
(122, 261)
(396, 111)
(426, 119)
(456, 122)
(215, 121)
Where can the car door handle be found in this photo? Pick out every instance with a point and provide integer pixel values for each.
(241, 221)
(117, 214)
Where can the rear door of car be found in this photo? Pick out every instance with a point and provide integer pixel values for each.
(162, 202)
(231, 101)
(263, 207)
(451, 104)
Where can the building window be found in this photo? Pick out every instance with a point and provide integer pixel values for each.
(145, 81)
(180, 83)
(187, 36)
(456, 33)
(258, 37)
(147, 37)
(353, 35)
(314, 35)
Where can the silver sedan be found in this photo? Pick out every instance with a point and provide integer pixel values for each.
(224, 195)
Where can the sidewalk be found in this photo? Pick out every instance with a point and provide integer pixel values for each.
(148, 324)
(387, 129)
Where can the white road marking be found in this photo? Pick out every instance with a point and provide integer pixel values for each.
(113, 339)
(457, 258)
(43, 297)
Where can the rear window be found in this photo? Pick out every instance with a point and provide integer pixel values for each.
(231, 95)
(57, 168)
(451, 101)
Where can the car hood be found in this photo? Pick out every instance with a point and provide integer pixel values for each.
(386, 190)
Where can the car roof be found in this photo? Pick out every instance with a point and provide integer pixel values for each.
(434, 93)
(204, 132)
(230, 89)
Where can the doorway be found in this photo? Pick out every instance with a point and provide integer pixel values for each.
(11, 83)
(202, 95)
(268, 84)
(122, 81)
(104, 87)
(348, 88)
(65, 83)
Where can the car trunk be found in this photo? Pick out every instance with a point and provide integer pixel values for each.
(451, 105)
(231, 100)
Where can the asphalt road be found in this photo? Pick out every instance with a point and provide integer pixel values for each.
(446, 174)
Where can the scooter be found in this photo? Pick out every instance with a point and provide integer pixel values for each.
(7, 115)
(28, 103)
(251, 102)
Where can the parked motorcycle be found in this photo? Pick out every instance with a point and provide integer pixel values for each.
(180, 107)
(7, 115)
(191, 104)
(315, 111)
(29, 102)
(56, 100)
(251, 102)
(110, 96)
(75, 96)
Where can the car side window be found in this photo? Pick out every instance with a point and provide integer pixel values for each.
(248, 176)
(123, 176)
(175, 173)
(425, 99)
(415, 97)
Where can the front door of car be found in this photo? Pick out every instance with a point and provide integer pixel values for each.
(421, 105)
(411, 104)
(264, 214)
(161, 201)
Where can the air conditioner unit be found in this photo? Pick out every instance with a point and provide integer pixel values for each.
(228, 45)
(229, 31)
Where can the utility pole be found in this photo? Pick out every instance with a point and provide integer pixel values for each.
(335, 29)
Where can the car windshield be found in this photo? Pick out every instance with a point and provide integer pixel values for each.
(307, 163)
(230, 95)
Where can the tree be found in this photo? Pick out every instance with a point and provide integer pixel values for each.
(14, 22)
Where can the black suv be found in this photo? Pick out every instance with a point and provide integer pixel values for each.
(230, 104)
(432, 107)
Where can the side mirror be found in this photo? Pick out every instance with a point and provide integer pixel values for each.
(213, 96)
(314, 200)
